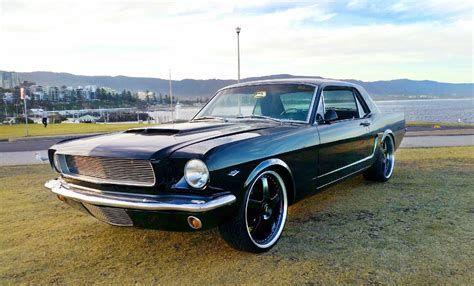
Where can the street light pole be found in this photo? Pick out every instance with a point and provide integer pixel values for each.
(238, 29)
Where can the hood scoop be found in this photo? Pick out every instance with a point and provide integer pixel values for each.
(153, 131)
(179, 129)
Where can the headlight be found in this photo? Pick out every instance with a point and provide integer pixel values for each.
(56, 163)
(196, 174)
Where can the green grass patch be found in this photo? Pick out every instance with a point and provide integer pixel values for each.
(18, 130)
(418, 228)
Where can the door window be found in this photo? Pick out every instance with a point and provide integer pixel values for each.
(342, 101)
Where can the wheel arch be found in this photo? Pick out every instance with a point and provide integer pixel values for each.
(386, 133)
(282, 169)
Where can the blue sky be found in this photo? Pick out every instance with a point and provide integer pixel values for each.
(366, 40)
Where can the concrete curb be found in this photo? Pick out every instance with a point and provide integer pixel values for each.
(451, 132)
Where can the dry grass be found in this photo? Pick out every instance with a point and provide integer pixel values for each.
(16, 131)
(418, 228)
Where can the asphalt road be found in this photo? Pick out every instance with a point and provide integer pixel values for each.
(28, 145)
(24, 151)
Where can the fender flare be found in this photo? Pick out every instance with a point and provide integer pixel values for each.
(274, 162)
(387, 133)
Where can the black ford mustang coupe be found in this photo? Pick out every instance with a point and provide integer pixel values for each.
(249, 153)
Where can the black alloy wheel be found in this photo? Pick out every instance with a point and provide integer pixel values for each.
(261, 217)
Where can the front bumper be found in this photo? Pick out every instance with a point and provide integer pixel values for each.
(149, 211)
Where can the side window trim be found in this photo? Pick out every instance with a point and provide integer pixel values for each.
(362, 102)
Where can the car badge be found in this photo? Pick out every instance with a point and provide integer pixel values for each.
(233, 173)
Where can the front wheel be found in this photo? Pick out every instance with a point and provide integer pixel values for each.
(261, 217)
(382, 169)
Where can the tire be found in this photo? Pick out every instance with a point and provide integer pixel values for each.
(382, 169)
(261, 217)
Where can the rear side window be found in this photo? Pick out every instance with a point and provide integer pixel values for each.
(342, 101)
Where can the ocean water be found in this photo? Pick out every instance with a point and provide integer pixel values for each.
(432, 110)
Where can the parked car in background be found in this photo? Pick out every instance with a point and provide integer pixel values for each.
(254, 149)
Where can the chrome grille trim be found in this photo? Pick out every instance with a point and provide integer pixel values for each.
(104, 170)
(114, 216)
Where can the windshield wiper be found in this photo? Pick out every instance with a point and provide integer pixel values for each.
(259, 117)
(210, 118)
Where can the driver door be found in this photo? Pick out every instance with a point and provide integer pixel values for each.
(346, 142)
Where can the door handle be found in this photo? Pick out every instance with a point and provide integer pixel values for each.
(365, 123)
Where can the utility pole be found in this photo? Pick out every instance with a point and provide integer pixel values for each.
(23, 96)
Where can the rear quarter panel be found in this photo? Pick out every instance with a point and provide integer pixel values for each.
(394, 122)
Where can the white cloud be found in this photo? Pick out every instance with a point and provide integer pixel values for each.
(196, 39)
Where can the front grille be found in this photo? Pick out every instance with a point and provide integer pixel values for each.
(108, 170)
(114, 216)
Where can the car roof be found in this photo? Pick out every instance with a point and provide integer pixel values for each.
(312, 81)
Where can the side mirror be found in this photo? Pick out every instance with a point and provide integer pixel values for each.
(330, 116)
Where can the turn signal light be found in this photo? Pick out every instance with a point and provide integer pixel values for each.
(194, 222)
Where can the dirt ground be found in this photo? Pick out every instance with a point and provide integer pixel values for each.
(418, 228)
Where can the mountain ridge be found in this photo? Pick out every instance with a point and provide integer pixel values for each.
(207, 87)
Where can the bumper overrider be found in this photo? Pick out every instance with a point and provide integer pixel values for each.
(178, 213)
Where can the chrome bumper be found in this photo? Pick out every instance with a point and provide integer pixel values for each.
(150, 203)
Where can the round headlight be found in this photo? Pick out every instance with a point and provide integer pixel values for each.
(196, 173)
(56, 164)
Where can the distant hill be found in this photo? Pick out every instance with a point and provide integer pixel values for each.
(193, 88)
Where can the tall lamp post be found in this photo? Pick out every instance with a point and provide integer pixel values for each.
(238, 29)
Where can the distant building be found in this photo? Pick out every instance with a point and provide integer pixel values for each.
(9, 80)
(109, 90)
(142, 95)
(87, 119)
(89, 92)
(53, 93)
(80, 93)
(37, 92)
(8, 97)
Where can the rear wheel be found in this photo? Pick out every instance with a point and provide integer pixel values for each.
(261, 216)
(382, 169)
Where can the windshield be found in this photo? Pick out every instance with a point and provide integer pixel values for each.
(267, 101)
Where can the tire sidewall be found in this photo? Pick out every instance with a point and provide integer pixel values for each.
(277, 237)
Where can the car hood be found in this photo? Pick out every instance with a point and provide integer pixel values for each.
(154, 142)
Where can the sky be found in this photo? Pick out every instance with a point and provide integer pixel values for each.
(350, 39)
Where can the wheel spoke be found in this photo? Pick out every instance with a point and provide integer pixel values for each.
(275, 201)
(254, 204)
(257, 225)
(266, 191)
